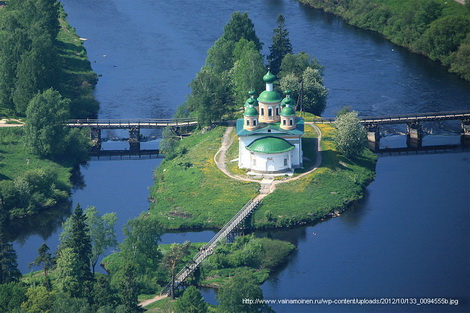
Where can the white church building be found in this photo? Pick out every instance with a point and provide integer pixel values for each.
(270, 134)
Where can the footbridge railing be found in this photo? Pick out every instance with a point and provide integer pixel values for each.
(208, 249)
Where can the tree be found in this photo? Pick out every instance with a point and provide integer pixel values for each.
(11, 296)
(220, 55)
(40, 300)
(74, 258)
(140, 247)
(350, 135)
(102, 233)
(103, 296)
(8, 265)
(297, 63)
(240, 26)
(247, 70)
(169, 143)
(45, 258)
(191, 302)
(233, 295)
(314, 94)
(308, 89)
(172, 259)
(129, 290)
(211, 96)
(65, 303)
(45, 129)
(461, 64)
(281, 45)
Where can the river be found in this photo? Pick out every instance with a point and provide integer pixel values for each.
(408, 238)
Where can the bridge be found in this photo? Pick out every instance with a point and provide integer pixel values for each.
(208, 249)
(413, 122)
(133, 125)
(371, 123)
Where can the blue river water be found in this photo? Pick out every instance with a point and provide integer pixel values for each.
(407, 239)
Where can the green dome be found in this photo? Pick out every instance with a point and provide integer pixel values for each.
(251, 92)
(288, 101)
(287, 111)
(252, 102)
(250, 111)
(269, 78)
(270, 145)
(269, 97)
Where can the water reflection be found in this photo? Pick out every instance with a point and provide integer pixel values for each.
(43, 225)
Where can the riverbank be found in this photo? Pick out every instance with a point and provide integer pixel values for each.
(190, 192)
(439, 29)
(47, 183)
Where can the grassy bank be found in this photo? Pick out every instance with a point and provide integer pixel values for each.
(323, 193)
(438, 29)
(77, 77)
(30, 184)
(190, 192)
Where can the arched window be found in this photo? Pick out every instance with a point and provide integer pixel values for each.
(262, 111)
(284, 122)
(277, 111)
(247, 122)
(291, 122)
(270, 111)
(254, 122)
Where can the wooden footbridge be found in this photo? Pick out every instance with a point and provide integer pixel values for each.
(131, 123)
(412, 121)
(208, 249)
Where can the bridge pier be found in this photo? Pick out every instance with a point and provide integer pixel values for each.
(465, 138)
(134, 139)
(95, 137)
(373, 137)
(415, 134)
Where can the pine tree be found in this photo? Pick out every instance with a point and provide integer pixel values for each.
(129, 290)
(240, 26)
(191, 302)
(281, 45)
(78, 244)
(8, 265)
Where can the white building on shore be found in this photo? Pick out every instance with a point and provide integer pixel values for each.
(270, 134)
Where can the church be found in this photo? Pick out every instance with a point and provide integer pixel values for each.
(270, 134)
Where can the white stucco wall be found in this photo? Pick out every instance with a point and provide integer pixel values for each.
(266, 162)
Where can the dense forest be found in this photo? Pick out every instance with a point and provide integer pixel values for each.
(438, 29)
(35, 56)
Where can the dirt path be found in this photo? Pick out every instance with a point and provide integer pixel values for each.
(4, 123)
(154, 299)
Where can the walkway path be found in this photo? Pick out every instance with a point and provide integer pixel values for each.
(5, 123)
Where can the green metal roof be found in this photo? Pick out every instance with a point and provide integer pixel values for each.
(251, 101)
(269, 97)
(288, 101)
(250, 111)
(269, 78)
(287, 111)
(270, 145)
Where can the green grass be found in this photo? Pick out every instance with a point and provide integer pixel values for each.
(191, 192)
(335, 185)
(14, 158)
